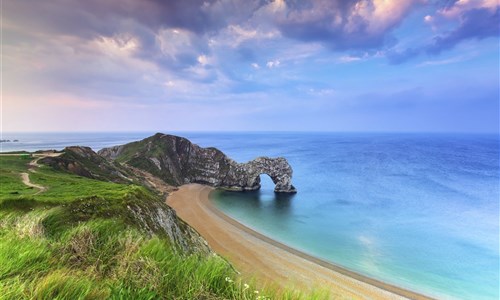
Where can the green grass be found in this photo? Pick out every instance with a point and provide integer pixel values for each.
(14, 163)
(10, 179)
(63, 186)
(80, 239)
(106, 259)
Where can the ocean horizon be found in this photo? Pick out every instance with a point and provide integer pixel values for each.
(418, 210)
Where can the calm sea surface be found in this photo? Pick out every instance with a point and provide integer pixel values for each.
(417, 210)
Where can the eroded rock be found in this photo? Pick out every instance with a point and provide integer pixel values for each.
(177, 161)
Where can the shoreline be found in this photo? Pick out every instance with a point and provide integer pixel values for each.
(273, 262)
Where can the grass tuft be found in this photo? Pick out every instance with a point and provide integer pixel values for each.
(63, 284)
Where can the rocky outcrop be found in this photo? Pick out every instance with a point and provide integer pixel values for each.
(177, 161)
(155, 217)
(83, 161)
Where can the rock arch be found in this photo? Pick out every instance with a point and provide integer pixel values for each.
(246, 176)
(277, 169)
(177, 161)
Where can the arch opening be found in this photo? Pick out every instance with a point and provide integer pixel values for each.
(267, 184)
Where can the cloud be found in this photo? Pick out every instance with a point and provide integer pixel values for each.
(344, 25)
(166, 50)
(463, 6)
(349, 59)
(174, 34)
(476, 23)
(234, 35)
(119, 45)
(468, 20)
(321, 92)
(203, 60)
(176, 48)
(273, 64)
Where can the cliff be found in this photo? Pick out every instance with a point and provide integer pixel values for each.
(84, 238)
(140, 208)
(177, 161)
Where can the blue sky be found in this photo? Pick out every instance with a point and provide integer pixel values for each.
(314, 65)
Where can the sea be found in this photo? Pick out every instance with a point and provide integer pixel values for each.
(417, 210)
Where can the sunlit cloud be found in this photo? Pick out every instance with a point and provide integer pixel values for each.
(462, 6)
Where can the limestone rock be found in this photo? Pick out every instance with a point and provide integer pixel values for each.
(177, 161)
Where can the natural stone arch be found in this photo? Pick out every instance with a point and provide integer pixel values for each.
(277, 169)
(177, 161)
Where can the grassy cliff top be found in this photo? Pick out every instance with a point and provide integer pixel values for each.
(102, 236)
(82, 238)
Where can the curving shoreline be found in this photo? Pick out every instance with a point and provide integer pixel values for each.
(275, 263)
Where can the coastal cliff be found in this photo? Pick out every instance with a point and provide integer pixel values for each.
(177, 161)
(144, 210)
(91, 236)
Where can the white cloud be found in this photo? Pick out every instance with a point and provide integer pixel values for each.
(349, 59)
(255, 66)
(277, 6)
(234, 35)
(240, 34)
(203, 60)
(121, 44)
(321, 92)
(380, 15)
(273, 64)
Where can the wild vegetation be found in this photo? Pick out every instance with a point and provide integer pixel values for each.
(81, 238)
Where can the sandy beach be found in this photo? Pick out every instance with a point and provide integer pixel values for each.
(273, 263)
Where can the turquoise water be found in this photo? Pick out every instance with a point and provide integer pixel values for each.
(417, 210)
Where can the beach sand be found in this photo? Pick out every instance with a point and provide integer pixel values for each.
(270, 262)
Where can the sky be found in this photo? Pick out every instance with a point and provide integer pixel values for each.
(250, 65)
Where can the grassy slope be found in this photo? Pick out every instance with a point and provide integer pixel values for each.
(75, 241)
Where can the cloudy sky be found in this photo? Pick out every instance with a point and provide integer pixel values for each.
(297, 65)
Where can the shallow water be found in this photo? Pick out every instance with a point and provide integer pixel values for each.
(417, 210)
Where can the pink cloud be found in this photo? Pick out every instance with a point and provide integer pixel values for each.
(462, 6)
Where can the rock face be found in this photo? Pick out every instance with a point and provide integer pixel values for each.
(177, 161)
(155, 217)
